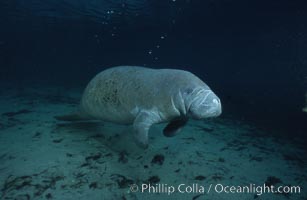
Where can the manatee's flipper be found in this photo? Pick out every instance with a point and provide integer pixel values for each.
(141, 126)
(75, 116)
(174, 127)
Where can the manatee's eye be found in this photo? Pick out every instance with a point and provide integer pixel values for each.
(188, 91)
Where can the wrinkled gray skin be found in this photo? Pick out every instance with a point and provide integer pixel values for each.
(143, 97)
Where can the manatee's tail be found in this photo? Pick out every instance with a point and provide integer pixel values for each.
(75, 116)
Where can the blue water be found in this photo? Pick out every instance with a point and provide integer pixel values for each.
(251, 53)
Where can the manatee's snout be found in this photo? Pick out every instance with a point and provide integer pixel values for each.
(206, 104)
(214, 106)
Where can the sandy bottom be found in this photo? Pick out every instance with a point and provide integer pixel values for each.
(43, 159)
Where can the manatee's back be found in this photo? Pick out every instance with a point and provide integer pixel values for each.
(112, 94)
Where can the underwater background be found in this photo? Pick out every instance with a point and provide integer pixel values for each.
(251, 53)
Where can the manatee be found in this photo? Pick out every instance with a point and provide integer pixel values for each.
(143, 97)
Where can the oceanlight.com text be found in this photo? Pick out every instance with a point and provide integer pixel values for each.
(196, 188)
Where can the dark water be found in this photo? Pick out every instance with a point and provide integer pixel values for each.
(252, 53)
